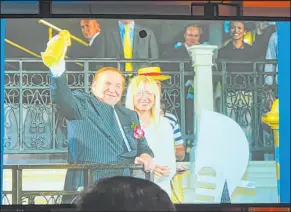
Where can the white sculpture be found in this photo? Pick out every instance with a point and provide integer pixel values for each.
(222, 146)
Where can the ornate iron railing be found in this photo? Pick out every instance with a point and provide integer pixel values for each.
(246, 95)
(19, 196)
(33, 125)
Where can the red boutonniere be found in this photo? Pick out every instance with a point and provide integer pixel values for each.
(138, 132)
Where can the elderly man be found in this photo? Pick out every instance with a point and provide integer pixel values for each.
(99, 129)
(192, 37)
(90, 29)
(181, 51)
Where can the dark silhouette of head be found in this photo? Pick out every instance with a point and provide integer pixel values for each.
(124, 194)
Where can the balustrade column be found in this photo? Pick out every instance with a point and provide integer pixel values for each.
(202, 57)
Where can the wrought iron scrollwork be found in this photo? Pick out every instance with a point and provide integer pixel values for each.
(246, 97)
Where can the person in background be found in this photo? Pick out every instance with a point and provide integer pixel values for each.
(128, 40)
(261, 37)
(272, 54)
(236, 49)
(124, 194)
(143, 96)
(91, 30)
(181, 51)
(192, 37)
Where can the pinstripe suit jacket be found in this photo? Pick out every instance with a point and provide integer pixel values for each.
(93, 132)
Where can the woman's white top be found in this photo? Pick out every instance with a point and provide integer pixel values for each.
(161, 141)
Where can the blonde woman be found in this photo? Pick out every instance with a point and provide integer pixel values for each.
(143, 96)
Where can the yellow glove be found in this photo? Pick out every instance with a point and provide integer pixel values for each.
(56, 49)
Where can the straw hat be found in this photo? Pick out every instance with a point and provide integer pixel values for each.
(153, 72)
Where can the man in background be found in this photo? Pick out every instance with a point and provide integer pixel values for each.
(128, 40)
(261, 37)
(181, 51)
(192, 36)
(91, 30)
(272, 54)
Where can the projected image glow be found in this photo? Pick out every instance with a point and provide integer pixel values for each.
(203, 137)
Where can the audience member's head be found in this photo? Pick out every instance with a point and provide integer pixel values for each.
(237, 30)
(124, 194)
(89, 28)
(192, 35)
(261, 26)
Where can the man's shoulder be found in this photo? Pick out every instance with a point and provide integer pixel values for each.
(100, 37)
(181, 52)
(140, 27)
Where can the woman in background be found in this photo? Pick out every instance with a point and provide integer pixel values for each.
(237, 49)
(143, 96)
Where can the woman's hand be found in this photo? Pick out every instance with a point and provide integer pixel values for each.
(161, 171)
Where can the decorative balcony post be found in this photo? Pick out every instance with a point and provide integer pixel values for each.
(272, 119)
(202, 57)
(203, 86)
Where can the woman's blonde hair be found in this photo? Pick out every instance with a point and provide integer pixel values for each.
(138, 83)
